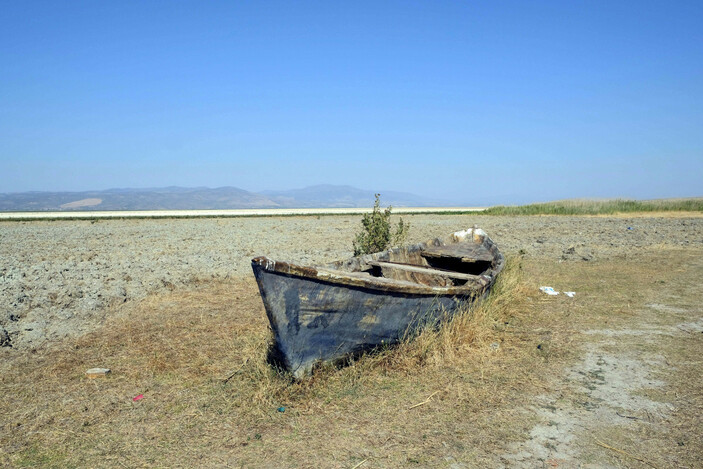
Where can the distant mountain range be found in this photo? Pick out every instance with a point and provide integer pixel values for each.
(203, 198)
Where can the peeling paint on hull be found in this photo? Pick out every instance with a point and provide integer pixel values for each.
(326, 314)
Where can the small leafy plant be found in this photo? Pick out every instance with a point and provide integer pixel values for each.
(376, 234)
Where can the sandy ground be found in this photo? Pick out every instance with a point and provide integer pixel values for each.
(58, 277)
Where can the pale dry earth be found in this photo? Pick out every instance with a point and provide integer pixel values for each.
(632, 398)
(58, 277)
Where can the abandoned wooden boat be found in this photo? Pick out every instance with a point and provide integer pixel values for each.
(330, 312)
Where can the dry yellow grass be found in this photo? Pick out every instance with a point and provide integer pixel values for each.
(199, 360)
(210, 399)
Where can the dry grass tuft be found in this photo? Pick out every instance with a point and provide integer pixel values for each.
(461, 336)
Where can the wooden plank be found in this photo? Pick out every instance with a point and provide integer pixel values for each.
(466, 252)
(423, 278)
(425, 270)
(329, 273)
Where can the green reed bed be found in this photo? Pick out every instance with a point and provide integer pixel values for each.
(594, 207)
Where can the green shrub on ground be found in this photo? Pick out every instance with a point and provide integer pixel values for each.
(376, 234)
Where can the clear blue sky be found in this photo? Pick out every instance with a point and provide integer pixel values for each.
(523, 101)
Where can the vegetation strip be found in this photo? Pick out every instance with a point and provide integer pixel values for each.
(566, 207)
(592, 207)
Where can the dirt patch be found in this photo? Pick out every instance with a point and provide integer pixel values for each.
(602, 393)
(623, 387)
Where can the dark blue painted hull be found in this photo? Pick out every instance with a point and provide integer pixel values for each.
(318, 321)
(321, 315)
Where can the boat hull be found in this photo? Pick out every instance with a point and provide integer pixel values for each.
(316, 320)
(328, 313)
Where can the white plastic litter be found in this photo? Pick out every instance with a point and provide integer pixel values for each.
(552, 291)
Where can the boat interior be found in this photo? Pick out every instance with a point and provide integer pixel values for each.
(433, 264)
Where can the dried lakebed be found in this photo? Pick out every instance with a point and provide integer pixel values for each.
(61, 278)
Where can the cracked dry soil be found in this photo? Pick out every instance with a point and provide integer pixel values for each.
(632, 398)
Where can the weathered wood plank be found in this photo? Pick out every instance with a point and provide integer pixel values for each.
(466, 252)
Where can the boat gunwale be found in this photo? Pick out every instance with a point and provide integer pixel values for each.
(344, 278)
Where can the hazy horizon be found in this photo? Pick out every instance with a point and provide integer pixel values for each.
(331, 194)
(517, 101)
(500, 199)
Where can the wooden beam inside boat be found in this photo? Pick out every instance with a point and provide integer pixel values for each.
(467, 253)
(424, 270)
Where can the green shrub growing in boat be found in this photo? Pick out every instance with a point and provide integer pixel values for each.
(376, 233)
